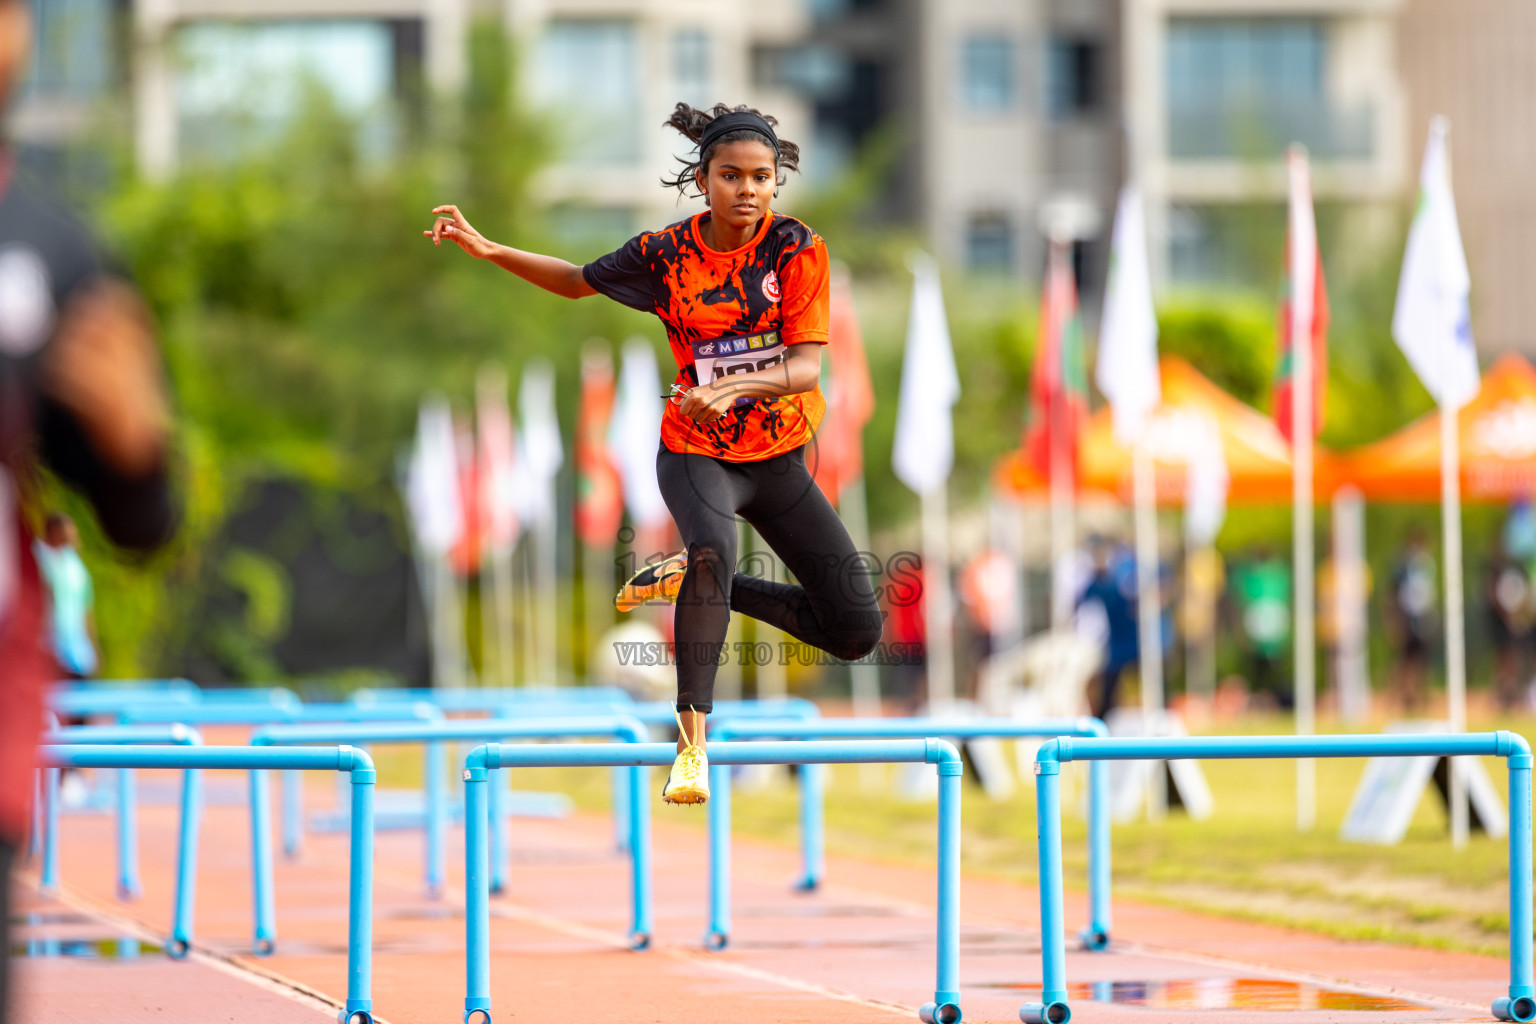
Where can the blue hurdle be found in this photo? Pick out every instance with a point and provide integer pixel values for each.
(359, 1004)
(945, 1007)
(267, 713)
(1519, 1005)
(492, 698)
(435, 736)
(812, 796)
(663, 713)
(128, 887)
(280, 711)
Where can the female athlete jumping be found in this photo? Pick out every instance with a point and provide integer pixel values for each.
(743, 293)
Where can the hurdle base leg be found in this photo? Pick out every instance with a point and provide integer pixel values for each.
(1055, 1011)
(945, 1009)
(477, 1011)
(357, 1011)
(1094, 938)
(1520, 1008)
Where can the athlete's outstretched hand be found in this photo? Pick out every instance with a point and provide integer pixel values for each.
(450, 224)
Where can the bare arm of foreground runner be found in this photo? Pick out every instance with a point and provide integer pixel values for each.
(548, 272)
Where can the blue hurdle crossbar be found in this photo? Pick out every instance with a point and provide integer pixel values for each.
(128, 887)
(492, 698)
(434, 736)
(663, 713)
(275, 712)
(812, 796)
(257, 760)
(1519, 1005)
(112, 701)
(945, 1007)
(261, 713)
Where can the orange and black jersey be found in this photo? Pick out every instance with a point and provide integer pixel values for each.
(729, 312)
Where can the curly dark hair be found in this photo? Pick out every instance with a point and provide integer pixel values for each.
(691, 122)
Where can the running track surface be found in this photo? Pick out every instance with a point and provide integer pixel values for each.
(861, 950)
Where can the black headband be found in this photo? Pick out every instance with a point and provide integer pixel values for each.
(735, 121)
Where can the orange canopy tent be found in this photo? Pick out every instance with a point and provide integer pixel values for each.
(1498, 446)
(1258, 456)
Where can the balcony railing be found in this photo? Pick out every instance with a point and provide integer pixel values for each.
(1227, 129)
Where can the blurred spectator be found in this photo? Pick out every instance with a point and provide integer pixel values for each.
(1262, 591)
(71, 598)
(1337, 623)
(1113, 589)
(989, 597)
(1413, 618)
(905, 625)
(1205, 577)
(81, 392)
(1518, 537)
(1511, 618)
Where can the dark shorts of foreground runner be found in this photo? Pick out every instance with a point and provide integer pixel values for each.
(642, 653)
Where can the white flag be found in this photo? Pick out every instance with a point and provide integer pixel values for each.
(924, 450)
(498, 460)
(1432, 321)
(1127, 365)
(634, 433)
(432, 486)
(539, 451)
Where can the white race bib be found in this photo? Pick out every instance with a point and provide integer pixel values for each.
(721, 357)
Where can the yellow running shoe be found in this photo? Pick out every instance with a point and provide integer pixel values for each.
(659, 582)
(688, 781)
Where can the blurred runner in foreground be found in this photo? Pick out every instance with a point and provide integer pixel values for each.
(80, 393)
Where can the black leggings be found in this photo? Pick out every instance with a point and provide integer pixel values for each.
(833, 607)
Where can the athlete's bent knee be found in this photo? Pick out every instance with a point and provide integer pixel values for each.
(855, 637)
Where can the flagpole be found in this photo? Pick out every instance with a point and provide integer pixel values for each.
(1455, 619)
(1149, 614)
(546, 601)
(599, 585)
(1455, 624)
(1302, 270)
(938, 613)
(866, 675)
(501, 578)
(1062, 525)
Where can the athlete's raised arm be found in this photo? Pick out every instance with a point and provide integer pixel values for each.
(548, 272)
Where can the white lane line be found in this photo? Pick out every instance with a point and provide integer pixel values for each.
(237, 967)
(708, 961)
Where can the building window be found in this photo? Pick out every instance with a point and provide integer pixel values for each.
(989, 244)
(1072, 70)
(71, 49)
(986, 74)
(1247, 87)
(589, 73)
(240, 84)
(690, 68)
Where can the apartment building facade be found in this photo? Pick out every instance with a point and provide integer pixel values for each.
(1017, 118)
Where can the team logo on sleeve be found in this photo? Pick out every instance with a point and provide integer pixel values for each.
(771, 286)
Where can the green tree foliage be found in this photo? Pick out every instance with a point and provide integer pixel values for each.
(303, 316)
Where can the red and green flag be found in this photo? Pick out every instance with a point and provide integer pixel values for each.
(1059, 388)
(1301, 231)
